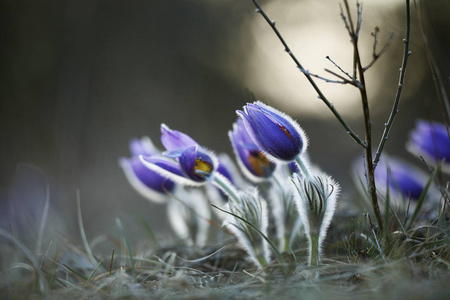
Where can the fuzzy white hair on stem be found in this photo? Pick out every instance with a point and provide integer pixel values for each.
(189, 214)
(253, 209)
(316, 198)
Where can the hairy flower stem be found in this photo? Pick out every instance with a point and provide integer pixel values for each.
(314, 256)
(302, 166)
(227, 187)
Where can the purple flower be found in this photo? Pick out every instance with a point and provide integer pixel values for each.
(175, 141)
(401, 177)
(275, 133)
(404, 180)
(430, 140)
(253, 163)
(185, 161)
(148, 183)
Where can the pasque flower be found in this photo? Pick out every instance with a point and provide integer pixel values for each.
(148, 183)
(404, 181)
(274, 132)
(253, 163)
(430, 140)
(187, 163)
(316, 197)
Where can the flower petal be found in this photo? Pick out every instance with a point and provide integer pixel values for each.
(174, 140)
(148, 183)
(251, 160)
(143, 146)
(430, 140)
(168, 168)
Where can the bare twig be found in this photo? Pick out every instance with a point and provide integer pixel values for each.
(358, 70)
(343, 81)
(375, 55)
(340, 69)
(321, 96)
(406, 53)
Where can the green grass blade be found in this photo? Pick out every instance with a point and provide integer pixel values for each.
(149, 231)
(272, 245)
(95, 270)
(83, 233)
(29, 256)
(44, 217)
(78, 275)
(127, 244)
(420, 202)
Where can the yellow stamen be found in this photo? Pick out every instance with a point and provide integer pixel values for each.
(203, 166)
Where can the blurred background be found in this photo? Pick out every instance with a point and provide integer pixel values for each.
(80, 78)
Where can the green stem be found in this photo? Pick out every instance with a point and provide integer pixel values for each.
(262, 261)
(302, 166)
(314, 250)
(287, 242)
(226, 186)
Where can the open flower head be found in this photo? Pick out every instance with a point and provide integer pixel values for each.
(254, 164)
(193, 167)
(430, 140)
(149, 183)
(185, 161)
(274, 132)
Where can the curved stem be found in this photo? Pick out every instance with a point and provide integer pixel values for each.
(226, 186)
(302, 166)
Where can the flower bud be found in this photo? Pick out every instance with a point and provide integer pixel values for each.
(274, 132)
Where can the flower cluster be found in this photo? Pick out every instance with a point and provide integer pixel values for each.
(270, 150)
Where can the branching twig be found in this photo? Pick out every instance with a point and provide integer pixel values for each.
(394, 111)
(340, 69)
(352, 82)
(310, 79)
(375, 55)
(358, 70)
(342, 81)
